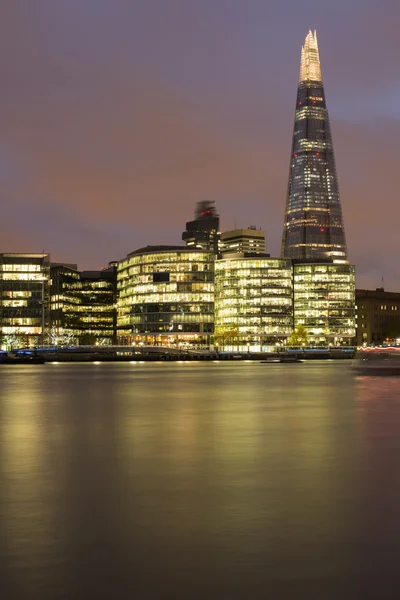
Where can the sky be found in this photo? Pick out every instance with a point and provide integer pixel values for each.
(117, 116)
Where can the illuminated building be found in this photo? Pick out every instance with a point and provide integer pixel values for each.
(253, 301)
(313, 226)
(24, 295)
(378, 316)
(64, 300)
(323, 296)
(203, 232)
(250, 240)
(166, 296)
(83, 304)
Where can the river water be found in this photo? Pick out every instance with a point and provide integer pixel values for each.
(198, 480)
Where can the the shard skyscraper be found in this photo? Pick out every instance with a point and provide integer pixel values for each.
(313, 227)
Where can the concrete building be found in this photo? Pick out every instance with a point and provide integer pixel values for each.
(250, 240)
(377, 315)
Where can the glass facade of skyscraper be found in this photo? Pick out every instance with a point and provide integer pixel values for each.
(313, 226)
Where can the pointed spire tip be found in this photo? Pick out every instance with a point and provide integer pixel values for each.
(310, 67)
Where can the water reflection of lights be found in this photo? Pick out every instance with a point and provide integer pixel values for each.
(377, 388)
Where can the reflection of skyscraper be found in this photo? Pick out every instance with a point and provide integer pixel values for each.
(313, 225)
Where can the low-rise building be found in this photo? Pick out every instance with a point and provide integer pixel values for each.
(324, 301)
(24, 295)
(250, 240)
(82, 305)
(378, 316)
(253, 302)
(166, 296)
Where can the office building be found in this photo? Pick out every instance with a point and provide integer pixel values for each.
(83, 305)
(166, 296)
(24, 296)
(250, 241)
(313, 224)
(323, 296)
(378, 316)
(203, 232)
(253, 302)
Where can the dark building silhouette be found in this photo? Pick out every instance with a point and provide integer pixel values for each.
(378, 316)
(203, 232)
(313, 226)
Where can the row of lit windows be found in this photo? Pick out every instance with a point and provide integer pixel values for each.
(250, 265)
(24, 277)
(22, 321)
(25, 268)
(17, 330)
(283, 328)
(163, 287)
(170, 319)
(184, 297)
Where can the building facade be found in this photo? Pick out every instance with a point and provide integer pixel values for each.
(378, 316)
(166, 296)
(250, 240)
(203, 232)
(313, 223)
(82, 305)
(323, 294)
(24, 298)
(253, 302)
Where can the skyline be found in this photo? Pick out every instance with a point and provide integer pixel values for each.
(113, 114)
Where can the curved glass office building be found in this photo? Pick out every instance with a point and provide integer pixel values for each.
(253, 302)
(166, 296)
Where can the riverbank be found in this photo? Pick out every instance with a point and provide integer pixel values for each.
(156, 354)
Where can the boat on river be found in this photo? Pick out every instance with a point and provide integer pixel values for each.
(21, 358)
(377, 360)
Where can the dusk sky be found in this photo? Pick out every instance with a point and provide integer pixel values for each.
(117, 116)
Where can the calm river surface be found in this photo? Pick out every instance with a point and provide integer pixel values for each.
(198, 480)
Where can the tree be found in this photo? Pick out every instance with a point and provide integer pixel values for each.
(299, 336)
(12, 340)
(57, 336)
(87, 339)
(225, 336)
